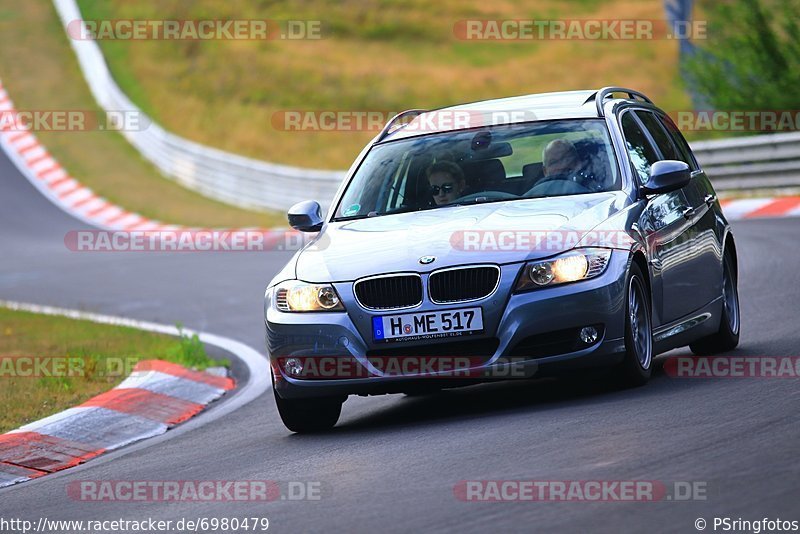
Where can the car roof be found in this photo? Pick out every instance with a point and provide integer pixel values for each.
(516, 109)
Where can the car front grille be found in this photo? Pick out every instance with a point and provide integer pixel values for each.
(463, 283)
(389, 292)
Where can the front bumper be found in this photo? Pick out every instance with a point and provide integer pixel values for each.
(514, 323)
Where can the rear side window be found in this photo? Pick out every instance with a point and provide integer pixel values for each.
(640, 151)
(683, 147)
(663, 141)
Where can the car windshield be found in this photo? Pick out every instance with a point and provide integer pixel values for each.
(498, 163)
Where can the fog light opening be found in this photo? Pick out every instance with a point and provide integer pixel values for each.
(293, 366)
(589, 334)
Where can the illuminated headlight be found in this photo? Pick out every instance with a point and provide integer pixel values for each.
(580, 264)
(296, 296)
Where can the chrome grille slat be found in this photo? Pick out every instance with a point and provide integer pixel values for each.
(462, 284)
(389, 292)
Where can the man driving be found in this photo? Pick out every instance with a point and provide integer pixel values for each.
(560, 158)
(560, 161)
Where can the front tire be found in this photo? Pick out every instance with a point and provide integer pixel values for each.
(309, 415)
(636, 368)
(727, 337)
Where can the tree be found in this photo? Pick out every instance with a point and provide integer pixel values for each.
(751, 57)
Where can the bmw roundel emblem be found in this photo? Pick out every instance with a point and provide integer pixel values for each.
(425, 260)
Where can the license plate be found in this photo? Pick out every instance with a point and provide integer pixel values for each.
(427, 325)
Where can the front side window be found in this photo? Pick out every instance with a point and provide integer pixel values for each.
(663, 141)
(491, 164)
(684, 152)
(642, 154)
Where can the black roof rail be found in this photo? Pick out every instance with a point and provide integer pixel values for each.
(393, 120)
(600, 96)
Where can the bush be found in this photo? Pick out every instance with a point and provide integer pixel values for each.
(751, 59)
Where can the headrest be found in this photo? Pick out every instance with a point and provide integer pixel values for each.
(484, 172)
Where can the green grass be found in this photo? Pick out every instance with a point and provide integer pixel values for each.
(40, 72)
(102, 356)
(376, 55)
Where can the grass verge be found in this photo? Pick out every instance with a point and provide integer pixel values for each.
(98, 357)
(40, 72)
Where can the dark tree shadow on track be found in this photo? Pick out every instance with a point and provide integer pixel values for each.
(506, 397)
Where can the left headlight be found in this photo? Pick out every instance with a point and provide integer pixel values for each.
(572, 266)
(297, 296)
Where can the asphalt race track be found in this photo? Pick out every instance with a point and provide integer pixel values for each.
(392, 462)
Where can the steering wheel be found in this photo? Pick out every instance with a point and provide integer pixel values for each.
(489, 195)
(566, 177)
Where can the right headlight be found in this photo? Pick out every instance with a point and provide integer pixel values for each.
(297, 296)
(572, 266)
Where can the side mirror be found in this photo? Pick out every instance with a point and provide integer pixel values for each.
(665, 176)
(306, 216)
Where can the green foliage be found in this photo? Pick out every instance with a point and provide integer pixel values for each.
(751, 59)
(190, 352)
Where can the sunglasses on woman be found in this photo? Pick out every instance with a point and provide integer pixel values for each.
(445, 188)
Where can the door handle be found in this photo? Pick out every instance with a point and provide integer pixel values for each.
(710, 199)
(688, 213)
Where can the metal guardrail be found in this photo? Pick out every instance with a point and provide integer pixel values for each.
(763, 161)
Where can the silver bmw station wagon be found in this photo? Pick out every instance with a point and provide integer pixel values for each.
(499, 240)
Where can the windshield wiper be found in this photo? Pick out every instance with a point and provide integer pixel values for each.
(483, 200)
(478, 200)
(401, 209)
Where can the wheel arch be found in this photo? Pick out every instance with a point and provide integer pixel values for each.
(731, 242)
(639, 259)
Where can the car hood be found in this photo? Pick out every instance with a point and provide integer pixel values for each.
(458, 235)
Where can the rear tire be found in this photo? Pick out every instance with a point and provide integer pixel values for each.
(309, 415)
(636, 368)
(727, 337)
